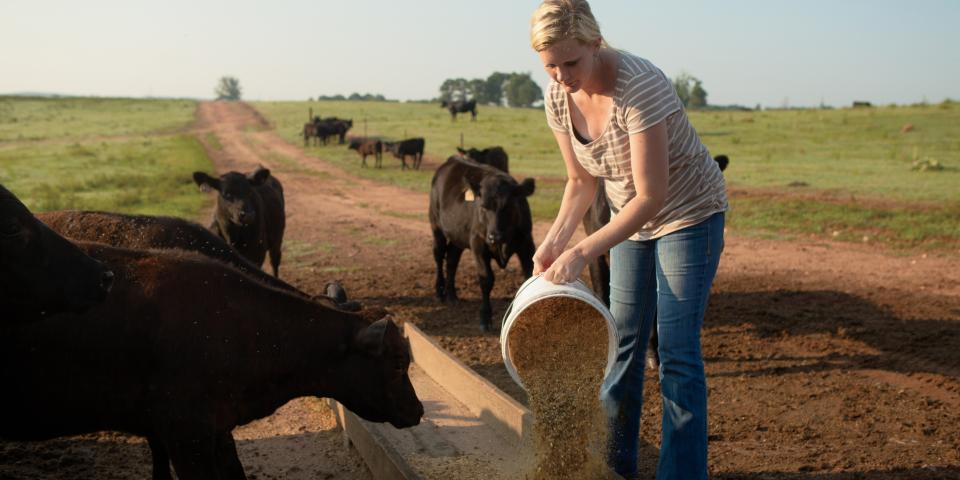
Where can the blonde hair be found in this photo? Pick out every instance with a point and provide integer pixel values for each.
(558, 20)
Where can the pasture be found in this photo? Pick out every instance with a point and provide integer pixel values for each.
(824, 359)
(132, 156)
(845, 174)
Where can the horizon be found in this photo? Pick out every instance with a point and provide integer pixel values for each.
(746, 52)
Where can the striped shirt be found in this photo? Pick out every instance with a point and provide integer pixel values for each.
(644, 97)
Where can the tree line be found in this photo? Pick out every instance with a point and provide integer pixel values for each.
(513, 89)
(355, 97)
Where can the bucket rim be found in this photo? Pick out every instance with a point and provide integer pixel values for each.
(613, 336)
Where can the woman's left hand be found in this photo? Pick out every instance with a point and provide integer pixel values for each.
(566, 268)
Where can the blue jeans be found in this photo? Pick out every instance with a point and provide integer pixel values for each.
(669, 279)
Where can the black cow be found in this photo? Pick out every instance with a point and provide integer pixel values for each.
(41, 273)
(596, 217)
(477, 207)
(494, 156)
(460, 106)
(332, 126)
(182, 360)
(411, 146)
(368, 146)
(250, 213)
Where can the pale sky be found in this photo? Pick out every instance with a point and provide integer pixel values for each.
(771, 52)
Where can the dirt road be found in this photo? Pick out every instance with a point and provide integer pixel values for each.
(824, 360)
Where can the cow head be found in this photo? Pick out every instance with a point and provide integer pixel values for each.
(472, 153)
(502, 211)
(237, 199)
(377, 385)
(40, 271)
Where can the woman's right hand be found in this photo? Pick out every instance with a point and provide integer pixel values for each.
(544, 257)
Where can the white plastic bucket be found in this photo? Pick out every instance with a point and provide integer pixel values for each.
(536, 289)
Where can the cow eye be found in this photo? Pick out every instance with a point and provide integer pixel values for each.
(9, 229)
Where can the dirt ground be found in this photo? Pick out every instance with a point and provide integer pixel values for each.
(824, 360)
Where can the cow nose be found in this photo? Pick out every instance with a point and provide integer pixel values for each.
(106, 281)
(493, 237)
(241, 214)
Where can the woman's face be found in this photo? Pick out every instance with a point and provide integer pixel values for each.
(570, 63)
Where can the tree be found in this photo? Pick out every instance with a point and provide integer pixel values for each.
(690, 90)
(228, 89)
(698, 96)
(493, 87)
(522, 91)
(454, 89)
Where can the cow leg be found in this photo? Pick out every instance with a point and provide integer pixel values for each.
(453, 262)
(485, 277)
(525, 254)
(194, 455)
(161, 459)
(276, 251)
(439, 252)
(419, 158)
(363, 161)
(228, 462)
(379, 157)
(403, 162)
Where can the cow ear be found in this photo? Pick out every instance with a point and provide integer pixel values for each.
(206, 182)
(527, 187)
(259, 176)
(370, 340)
(461, 151)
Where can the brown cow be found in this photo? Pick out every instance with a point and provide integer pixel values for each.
(42, 273)
(368, 146)
(143, 232)
(183, 359)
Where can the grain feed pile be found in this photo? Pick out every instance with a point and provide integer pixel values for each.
(559, 348)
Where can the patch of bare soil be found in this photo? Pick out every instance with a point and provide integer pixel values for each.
(824, 360)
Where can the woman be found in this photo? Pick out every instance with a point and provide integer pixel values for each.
(617, 116)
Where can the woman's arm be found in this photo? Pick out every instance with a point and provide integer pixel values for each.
(648, 160)
(577, 195)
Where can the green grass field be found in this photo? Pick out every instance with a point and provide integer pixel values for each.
(121, 155)
(845, 174)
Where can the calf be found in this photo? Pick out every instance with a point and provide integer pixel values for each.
(41, 273)
(182, 360)
(494, 156)
(366, 147)
(596, 217)
(477, 207)
(411, 146)
(460, 106)
(310, 131)
(249, 214)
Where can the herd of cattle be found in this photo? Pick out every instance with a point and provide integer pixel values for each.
(160, 327)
